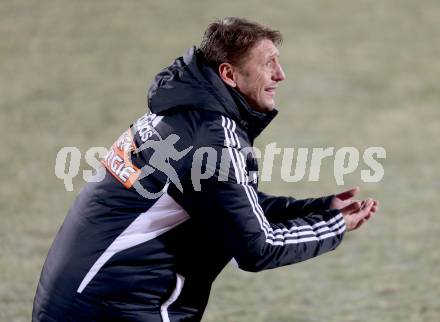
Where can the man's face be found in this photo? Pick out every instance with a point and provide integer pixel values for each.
(258, 77)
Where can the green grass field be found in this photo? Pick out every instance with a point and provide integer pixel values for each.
(359, 73)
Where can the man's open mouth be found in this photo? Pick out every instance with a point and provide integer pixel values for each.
(271, 90)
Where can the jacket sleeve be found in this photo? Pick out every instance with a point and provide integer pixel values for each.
(280, 208)
(227, 209)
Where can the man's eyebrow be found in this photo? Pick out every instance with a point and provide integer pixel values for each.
(274, 54)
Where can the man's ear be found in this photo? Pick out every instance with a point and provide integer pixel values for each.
(226, 73)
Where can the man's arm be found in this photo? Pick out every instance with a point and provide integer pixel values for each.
(284, 208)
(280, 208)
(230, 213)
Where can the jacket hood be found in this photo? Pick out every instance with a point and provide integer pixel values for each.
(190, 83)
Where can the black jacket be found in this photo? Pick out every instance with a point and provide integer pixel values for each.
(146, 242)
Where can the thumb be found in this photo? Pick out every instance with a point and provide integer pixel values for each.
(348, 194)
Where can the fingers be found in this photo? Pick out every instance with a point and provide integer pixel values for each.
(348, 194)
(365, 209)
(357, 213)
(351, 208)
(375, 206)
(365, 212)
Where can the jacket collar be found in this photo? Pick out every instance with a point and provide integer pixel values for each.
(252, 121)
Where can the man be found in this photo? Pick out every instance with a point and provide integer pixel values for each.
(179, 199)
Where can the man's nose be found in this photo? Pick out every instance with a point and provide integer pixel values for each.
(279, 74)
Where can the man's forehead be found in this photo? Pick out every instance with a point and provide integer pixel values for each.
(266, 48)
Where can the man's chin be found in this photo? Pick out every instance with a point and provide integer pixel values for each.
(265, 107)
(269, 106)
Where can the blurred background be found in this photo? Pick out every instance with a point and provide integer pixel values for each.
(359, 73)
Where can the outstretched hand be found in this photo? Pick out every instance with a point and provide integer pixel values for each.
(355, 212)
